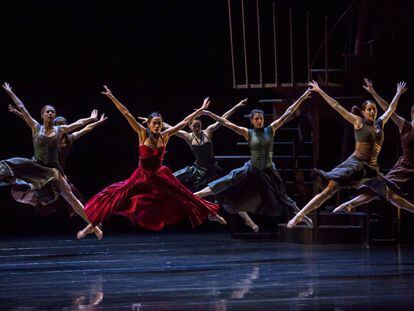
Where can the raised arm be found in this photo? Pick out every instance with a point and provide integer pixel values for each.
(290, 111)
(211, 128)
(80, 123)
(401, 88)
(32, 123)
(15, 111)
(89, 128)
(130, 118)
(174, 129)
(238, 129)
(182, 134)
(350, 117)
(398, 120)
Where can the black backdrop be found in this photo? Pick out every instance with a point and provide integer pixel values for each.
(155, 56)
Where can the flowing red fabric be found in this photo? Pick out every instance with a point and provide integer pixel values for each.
(152, 197)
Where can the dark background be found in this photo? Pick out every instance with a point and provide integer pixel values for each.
(155, 56)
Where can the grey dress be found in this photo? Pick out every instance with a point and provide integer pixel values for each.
(204, 169)
(257, 186)
(35, 181)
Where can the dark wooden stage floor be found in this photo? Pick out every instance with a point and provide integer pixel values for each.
(200, 271)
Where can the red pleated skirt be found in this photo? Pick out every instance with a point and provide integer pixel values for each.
(151, 199)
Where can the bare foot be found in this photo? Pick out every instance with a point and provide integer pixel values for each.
(98, 232)
(294, 221)
(343, 207)
(253, 226)
(307, 221)
(85, 231)
(217, 218)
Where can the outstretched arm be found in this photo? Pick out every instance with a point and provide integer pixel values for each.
(350, 117)
(211, 128)
(238, 129)
(401, 88)
(89, 128)
(80, 123)
(174, 129)
(398, 120)
(15, 111)
(290, 111)
(130, 118)
(32, 123)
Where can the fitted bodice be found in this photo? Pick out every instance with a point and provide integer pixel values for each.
(203, 152)
(46, 149)
(368, 141)
(149, 158)
(261, 147)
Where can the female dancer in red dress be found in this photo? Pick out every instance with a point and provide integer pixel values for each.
(152, 197)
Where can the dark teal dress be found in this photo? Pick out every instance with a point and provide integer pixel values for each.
(257, 186)
(35, 181)
(204, 169)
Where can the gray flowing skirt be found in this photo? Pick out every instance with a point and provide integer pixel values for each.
(253, 190)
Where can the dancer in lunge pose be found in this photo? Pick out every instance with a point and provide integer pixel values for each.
(257, 186)
(43, 174)
(205, 167)
(402, 174)
(152, 197)
(362, 164)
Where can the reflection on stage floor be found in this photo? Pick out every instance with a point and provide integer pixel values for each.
(200, 271)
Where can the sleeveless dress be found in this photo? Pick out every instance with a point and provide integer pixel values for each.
(35, 181)
(151, 197)
(257, 186)
(204, 169)
(400, 178)
(362, 164)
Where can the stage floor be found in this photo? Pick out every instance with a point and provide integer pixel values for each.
(200, 271)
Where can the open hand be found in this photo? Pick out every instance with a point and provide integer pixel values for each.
(7, 87)
(401, 87)
(206, 103)
(368, 86)
(314, 87)
(107, 92)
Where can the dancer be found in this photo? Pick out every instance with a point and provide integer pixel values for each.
(43, 174)
(402, 174)
(24, 195)
(257, 186)
(362, 164)
(205, 167)
(152, 197)
(67, 139)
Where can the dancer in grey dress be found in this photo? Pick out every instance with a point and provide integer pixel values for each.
(257, 186)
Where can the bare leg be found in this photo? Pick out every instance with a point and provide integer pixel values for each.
(306, 219)
(218, 218)
(348, 206)
(68, 195)
(249, 222)
(401, 203)
(88, 230)
(314, 204)
(204, 192)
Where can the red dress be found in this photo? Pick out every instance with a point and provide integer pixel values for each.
(152, 197)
